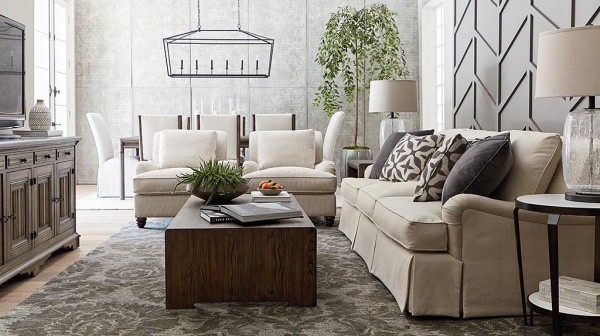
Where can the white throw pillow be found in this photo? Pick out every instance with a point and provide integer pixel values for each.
(180, 148)
(286, 149)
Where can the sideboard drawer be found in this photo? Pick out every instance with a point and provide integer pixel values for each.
(20, 159)
(45, 156)
(65, 153)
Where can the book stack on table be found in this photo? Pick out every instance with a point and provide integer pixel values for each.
(249, 213)
(574, 293)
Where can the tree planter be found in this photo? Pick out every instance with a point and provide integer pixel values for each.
(353, 154)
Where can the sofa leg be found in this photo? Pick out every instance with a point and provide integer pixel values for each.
(141, 222)
(329, 220)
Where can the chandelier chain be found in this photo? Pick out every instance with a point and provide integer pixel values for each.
(239, 20)
(199, 25)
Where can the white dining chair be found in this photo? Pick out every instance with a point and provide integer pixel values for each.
(331, 135)
(150, 124)
(274, 122)
(227, 123)
(109, 179)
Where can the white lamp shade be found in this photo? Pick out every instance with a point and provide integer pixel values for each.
(393, 96)
(569, 62)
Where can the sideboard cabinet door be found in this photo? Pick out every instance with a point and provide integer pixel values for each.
(43, 203)
(17, 210)
(65, 192)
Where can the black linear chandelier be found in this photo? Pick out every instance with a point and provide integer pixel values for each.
(213, 53)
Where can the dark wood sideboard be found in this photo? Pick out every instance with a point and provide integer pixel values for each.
(37, 210)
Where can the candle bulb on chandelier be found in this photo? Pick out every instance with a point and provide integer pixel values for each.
(242, 68)
(226, 64)
(211, 67)
(181, 65)
(256, 66)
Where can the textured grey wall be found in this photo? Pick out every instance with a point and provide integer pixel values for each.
(495, 61)
(121, 69)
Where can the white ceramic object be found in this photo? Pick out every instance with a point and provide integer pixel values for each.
(39, 117)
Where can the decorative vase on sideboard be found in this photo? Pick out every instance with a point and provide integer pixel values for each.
(39, 117)
(353, 154)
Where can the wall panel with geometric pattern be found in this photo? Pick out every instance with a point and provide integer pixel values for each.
(495, 53)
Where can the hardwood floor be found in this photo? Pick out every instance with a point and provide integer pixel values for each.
(94, 226)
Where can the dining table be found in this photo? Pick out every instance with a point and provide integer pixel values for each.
(126, 143)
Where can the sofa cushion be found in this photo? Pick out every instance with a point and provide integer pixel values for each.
(481, 169)
(351, 186)
(535, 159)
(298, 180)
(432, 180)
(387, 148)
(369, 194)
(409, 157)
(417, 226)
(286, 149)
(160, 181)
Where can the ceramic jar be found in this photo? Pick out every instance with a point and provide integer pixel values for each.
(39, 117)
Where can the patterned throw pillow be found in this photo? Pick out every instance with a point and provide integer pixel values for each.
(409, 157)
(431, 182)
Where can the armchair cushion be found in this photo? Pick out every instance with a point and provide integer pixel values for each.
(178, 148)
(275, 149)
(161, 181)
(250, 167)
(296, 179)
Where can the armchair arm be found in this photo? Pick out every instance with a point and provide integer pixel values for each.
(145, 166)
(368, 171)
(250, 167)
(326, 166)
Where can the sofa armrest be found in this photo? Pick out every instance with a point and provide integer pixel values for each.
(250, 167)
(326, 166)
(145, 166)
(368, 171)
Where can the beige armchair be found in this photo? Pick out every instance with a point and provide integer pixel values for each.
(173, 152)
(299, 168)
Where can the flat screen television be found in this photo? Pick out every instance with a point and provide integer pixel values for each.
(12, 73)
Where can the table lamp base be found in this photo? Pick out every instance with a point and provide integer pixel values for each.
(389, 126)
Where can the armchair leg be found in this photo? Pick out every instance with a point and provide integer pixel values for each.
(329, 220)
(141, 222)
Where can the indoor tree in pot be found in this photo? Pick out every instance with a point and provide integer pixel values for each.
(358, 46)
(215, 182)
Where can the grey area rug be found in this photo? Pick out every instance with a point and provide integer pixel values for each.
(118, 289)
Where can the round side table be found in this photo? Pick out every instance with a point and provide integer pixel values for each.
(555, 205)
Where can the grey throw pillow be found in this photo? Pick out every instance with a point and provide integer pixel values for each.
(409, 157)
(387, 148)
(431, 181)
(481, 169)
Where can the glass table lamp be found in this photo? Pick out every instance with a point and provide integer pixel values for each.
(569, 66)
(392, 96)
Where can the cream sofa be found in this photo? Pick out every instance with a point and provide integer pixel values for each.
(313, 187)
(154, 181)
(459, 259)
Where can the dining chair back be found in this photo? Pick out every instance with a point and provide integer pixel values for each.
(104, 146)
(274, 122)
(229, 124)
(150, 124)
(331, 135)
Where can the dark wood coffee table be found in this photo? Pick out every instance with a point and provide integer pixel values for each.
(272, 262)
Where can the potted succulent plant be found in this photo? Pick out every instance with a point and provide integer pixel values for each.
(215, 182)
(358, 46)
